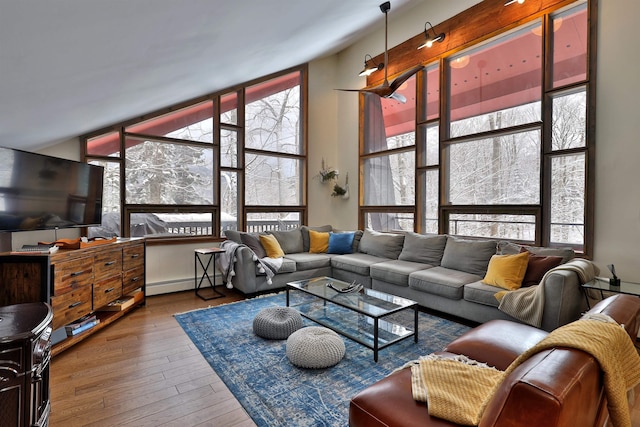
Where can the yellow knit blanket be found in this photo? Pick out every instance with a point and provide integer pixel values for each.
(459, 390)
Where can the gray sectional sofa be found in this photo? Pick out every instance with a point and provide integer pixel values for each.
(440, 272)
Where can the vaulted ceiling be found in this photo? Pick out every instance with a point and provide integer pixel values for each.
(71, 66)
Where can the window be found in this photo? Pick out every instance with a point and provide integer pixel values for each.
(497, 153)
(388, 162)
(274, 160)
(228, 161)
(502, 151)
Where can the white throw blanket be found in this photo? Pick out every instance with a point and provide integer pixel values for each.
(527, 304)
(226, 262)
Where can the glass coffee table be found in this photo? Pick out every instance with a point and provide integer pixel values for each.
(602, 284)
(362, 316)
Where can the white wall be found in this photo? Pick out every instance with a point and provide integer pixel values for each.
(617, 215)
(323, 134)
(170, 268)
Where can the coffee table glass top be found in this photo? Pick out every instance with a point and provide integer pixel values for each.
(367, 301)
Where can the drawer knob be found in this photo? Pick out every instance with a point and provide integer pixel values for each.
(106, 291)
(75, 304)
(109, 263)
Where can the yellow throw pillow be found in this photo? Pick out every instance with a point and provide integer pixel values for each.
(507, 271)
(318, 242)
(271, 246)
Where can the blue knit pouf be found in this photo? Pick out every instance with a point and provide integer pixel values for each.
(315, 347)
(277, 323)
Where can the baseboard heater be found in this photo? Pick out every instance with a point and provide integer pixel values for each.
(175, 285)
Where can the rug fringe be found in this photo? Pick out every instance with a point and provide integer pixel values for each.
(226, 303)
(196, 309)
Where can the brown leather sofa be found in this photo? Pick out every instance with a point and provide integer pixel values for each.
(554, 388)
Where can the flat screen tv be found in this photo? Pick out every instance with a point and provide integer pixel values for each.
(39, 192)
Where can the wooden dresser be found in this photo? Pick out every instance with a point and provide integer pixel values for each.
(76, 282)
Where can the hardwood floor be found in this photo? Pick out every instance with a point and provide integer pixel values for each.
(143, 371)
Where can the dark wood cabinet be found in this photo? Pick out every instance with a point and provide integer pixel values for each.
(25, 353)
(76, 282)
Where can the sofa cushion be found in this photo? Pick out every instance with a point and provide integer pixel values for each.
(357, 236)
(304, 230)
(271, 246)
(442, 281)
(290, 240)
(470, 256)
(384, 245)
(507, 271)
(396, 271)
(341, 243)
(288, 266)
(253, 242)
(424, 248)
(318, 242)
(308, 261)
(389, 402)
(358, 263)
(481, 293)
(233, 235)
(537, 267)
(514, 248)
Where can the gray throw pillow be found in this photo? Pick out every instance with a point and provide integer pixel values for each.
(509, 248)
(567, 254)
(253, 242)
(470, 256)
(233, 235)
(356, 240)
(306, 242)
(384, 245)
(424, 248)
(290, 240)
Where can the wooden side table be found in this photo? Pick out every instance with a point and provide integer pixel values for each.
(200, 256)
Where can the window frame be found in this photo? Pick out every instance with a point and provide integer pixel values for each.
(520, 16)
(127, 209)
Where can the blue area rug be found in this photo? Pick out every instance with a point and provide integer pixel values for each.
(276, 393)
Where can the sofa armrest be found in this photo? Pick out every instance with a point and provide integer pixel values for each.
(245, 268)
(554, 388)
(564, 300)
(624, 309)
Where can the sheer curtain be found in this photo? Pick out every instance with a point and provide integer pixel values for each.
(378, 175)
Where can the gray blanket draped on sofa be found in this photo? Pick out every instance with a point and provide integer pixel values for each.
(226, 262)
